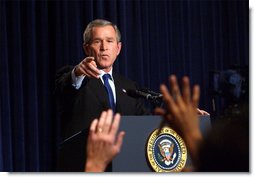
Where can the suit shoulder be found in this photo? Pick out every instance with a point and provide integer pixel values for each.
(123, 79)
(125, 82)
(65, 69)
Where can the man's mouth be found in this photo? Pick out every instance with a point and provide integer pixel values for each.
(104, 55)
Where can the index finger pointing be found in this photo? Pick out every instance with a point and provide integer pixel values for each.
(88, 59)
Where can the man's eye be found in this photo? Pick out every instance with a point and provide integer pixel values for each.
(96, 41)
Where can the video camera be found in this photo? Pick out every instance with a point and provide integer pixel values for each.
(231, 84)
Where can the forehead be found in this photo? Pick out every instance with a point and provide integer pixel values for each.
(103, 31)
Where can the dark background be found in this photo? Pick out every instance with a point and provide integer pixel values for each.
(159, 38)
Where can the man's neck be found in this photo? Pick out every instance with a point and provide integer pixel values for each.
(107, 70)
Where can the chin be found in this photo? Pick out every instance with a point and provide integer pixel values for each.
(104, 67)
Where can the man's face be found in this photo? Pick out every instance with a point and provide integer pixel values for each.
(103, 47)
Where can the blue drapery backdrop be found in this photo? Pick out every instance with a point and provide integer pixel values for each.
(159, 38)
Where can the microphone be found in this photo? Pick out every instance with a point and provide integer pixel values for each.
(146, 90)
(141, 94)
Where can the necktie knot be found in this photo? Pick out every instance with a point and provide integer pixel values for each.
(106, 77)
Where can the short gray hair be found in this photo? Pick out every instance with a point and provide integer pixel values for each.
(87, 35)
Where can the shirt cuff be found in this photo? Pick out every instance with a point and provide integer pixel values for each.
(76, 80)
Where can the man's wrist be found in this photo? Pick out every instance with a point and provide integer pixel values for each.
(76, 72)
(94, 167)
(76, 80)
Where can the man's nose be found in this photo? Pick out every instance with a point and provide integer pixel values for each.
(103, 45)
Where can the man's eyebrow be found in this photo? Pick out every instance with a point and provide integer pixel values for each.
(110, 38)
(96, 39)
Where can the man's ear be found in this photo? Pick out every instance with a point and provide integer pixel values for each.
(119, 46)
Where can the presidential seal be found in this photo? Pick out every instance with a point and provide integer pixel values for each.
(166, 151)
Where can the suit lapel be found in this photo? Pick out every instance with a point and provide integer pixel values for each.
(119, 93)
(97, 88)
(99, 91)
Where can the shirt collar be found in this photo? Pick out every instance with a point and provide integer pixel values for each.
(103, 72)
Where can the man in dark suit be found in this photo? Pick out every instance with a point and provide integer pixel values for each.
(82, 93)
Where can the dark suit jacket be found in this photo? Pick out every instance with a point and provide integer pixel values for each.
(77, 108)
